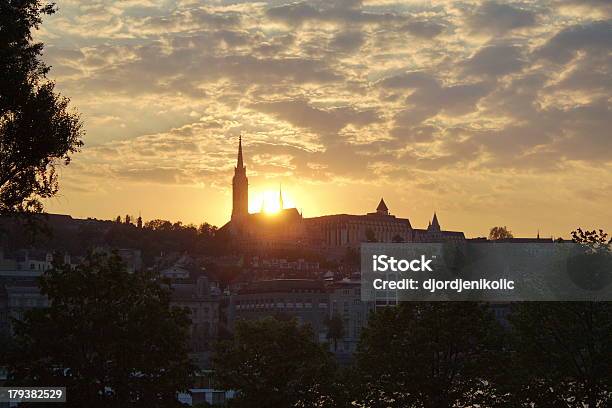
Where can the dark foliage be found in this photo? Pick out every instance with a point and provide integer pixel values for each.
(37, 129)
(109, 336)
(428, 355)
(563, 350)
(275, 363)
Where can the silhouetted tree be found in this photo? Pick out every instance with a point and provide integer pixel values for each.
(207, 229)
(109, 336)
(562, 350)
(158, 225)
(37, 129)
(273, 363)
(428, 355)
(562, 354)
(596, 240)
(500, 233)
(128, 219)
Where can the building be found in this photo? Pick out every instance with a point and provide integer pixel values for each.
(306, 300)
(329, 234)
(202, 300)
(309, 301)
(345, 301)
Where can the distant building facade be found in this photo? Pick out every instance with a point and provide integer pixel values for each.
(345, 301)
(309, 301)
(202, 301)
(305, 300)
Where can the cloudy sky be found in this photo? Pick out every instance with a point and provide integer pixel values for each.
(489, 113)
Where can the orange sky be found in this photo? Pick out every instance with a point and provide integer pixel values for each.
(488, 113)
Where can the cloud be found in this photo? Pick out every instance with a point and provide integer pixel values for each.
(424, 28)
(301, 114)
(429, 97)
(340, 12)
(495, 60)
(348, 41)
(342, 90)
(595, 37)
(495, 18)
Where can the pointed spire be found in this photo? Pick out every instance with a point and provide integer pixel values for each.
(382, 207)
(240, 161)
(280, 196)
(538, 234)
(434, 225)
(435, 222)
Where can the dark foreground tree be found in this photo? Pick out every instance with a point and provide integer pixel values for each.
(275, 364)
(563, 350)
(428, 355)
(562, 354)
(37, 129)
(109, 336)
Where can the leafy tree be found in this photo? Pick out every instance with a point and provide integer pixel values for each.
(595, 240)
(207, 229)
(37, 129)
(500, 233)
(109, 336)
(335, 329)
(273, 363)
(428, 355)
(563, 350)
(562, 354)
(158, 225)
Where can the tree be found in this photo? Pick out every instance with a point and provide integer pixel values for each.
(335, 329)
(562, 354)
(109, 336)
(428, 355)
(563, 349)
(273, 363)
(500, 233)
(37, 129)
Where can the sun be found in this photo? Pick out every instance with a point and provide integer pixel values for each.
(269, 202)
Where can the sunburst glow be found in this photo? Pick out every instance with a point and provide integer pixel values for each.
(269, 202)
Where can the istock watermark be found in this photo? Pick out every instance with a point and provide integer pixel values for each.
(384, 263)
(465, 271)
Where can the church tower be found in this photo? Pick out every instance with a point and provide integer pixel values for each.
(240, 188)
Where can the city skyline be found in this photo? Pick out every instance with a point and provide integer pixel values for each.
(489, 113)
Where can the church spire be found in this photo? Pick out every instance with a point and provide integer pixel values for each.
(240, 187)
(280, 196)
(240, 161)
(435, 225)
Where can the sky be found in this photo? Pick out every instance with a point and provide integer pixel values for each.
(489, 113)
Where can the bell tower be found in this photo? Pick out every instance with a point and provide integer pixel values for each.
(240, 188)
